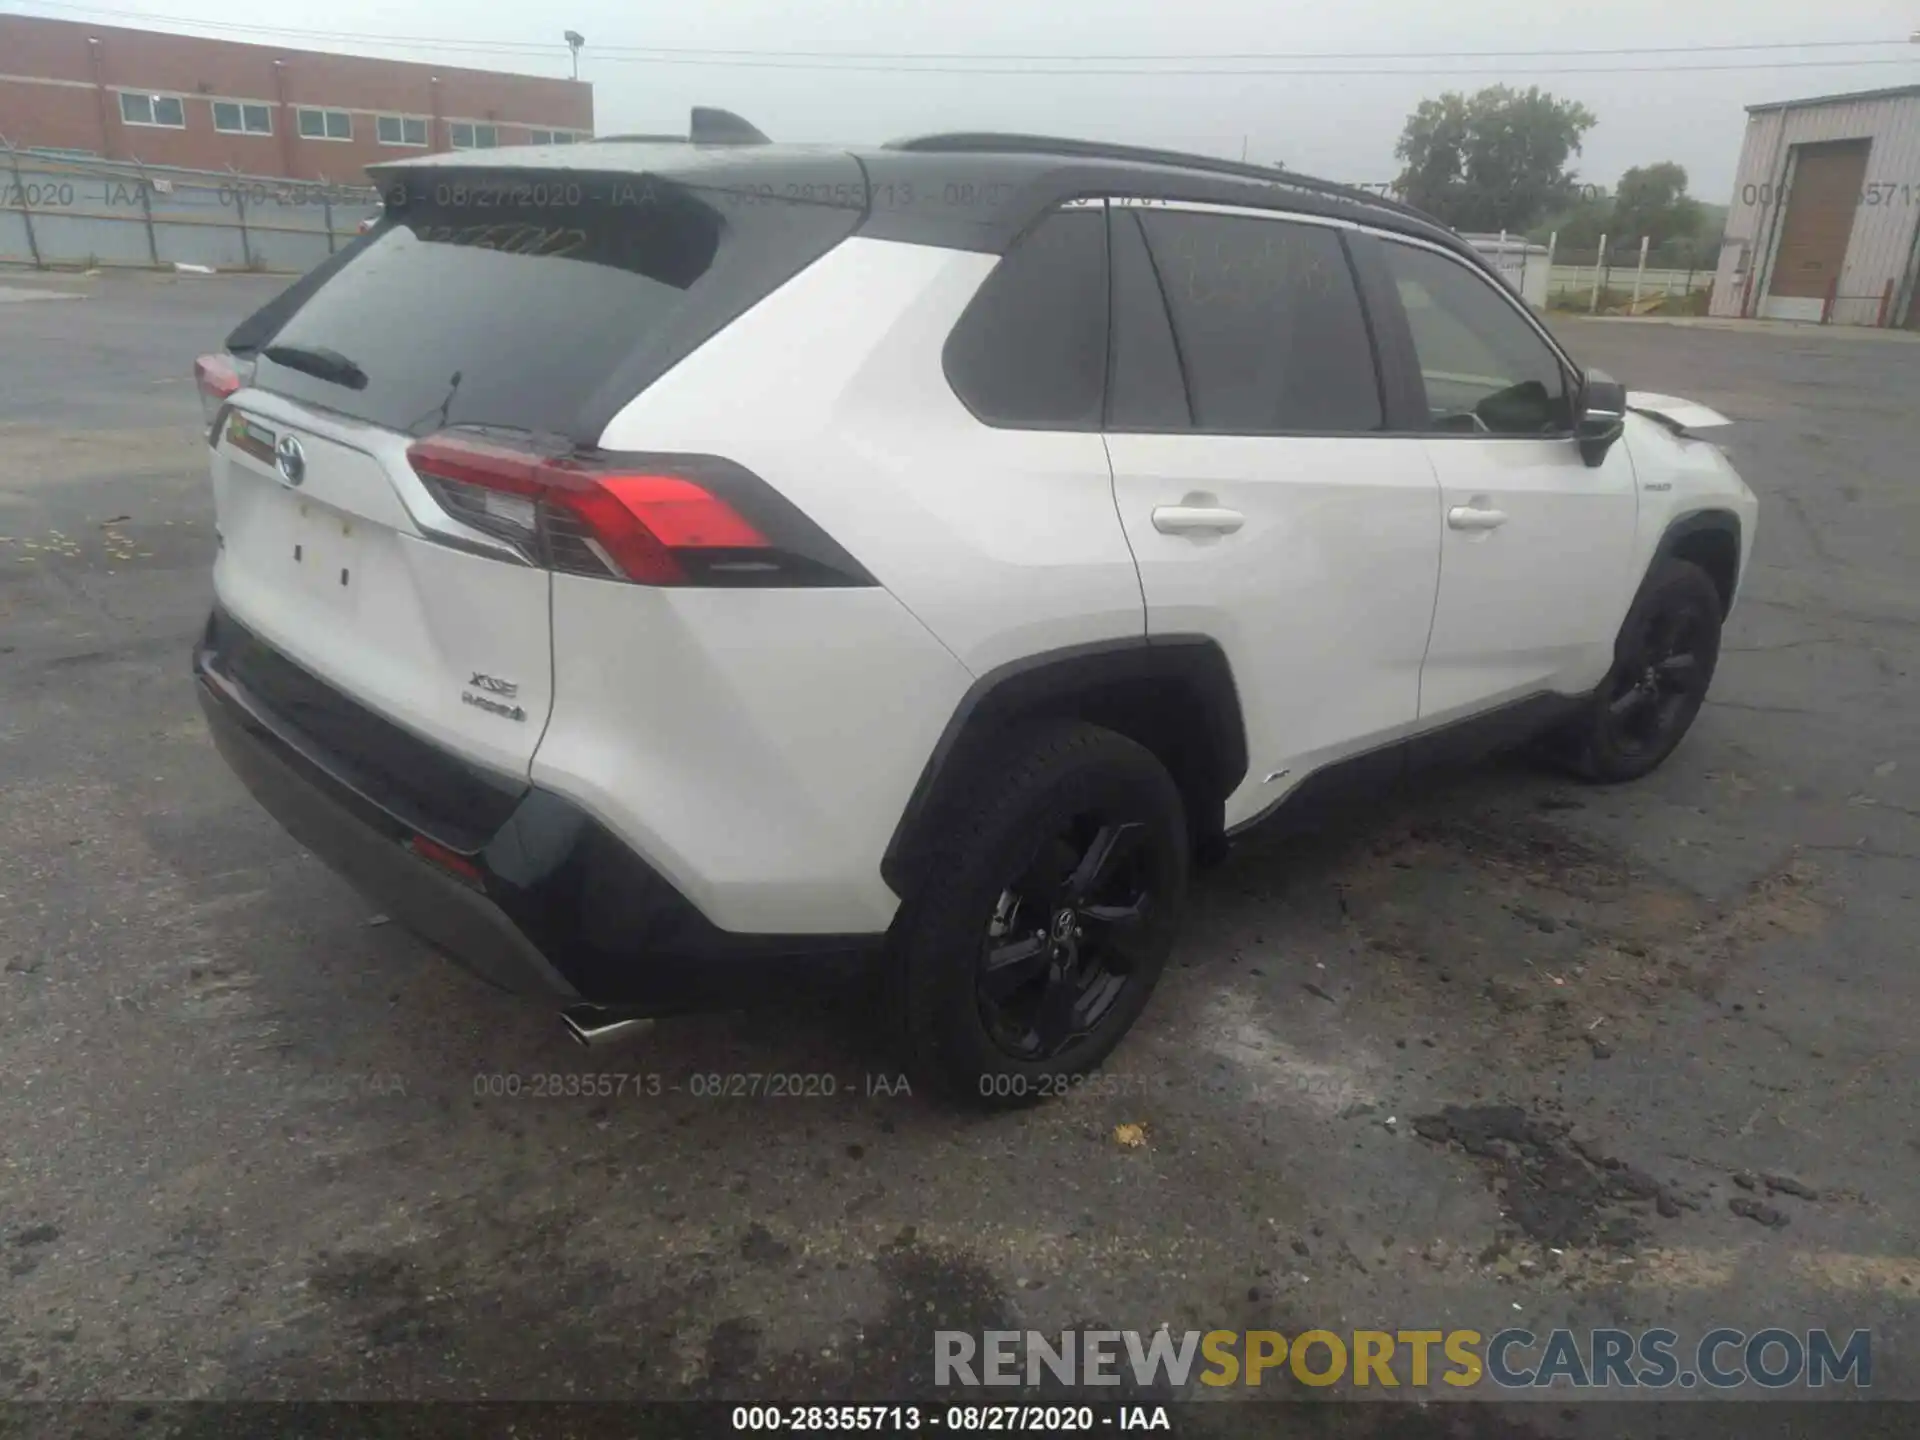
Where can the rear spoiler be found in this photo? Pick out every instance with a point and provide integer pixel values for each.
(706, 126)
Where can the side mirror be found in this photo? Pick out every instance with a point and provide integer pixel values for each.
(1603, 415)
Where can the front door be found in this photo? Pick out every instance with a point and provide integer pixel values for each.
(1536, 548)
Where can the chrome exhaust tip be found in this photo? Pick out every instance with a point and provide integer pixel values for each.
(595, 1025)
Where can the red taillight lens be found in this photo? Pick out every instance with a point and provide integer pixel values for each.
(452, 861)
(218, 378)
(591, 515)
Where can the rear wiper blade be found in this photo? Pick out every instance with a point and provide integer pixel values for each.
(322, 364)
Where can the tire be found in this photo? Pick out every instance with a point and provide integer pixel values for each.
(1664, 661)
(1042, 919)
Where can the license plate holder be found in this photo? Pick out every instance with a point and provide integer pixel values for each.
(325, 555)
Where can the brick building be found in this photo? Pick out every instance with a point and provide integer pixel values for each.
(260, 109)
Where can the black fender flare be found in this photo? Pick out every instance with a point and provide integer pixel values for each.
(1700, 522)
(1174, 693)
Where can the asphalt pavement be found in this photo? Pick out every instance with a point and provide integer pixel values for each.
(1512, 1051)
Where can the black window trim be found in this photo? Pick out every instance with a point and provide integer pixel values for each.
(1391, 413)
(1107, 427)
(1390, 299)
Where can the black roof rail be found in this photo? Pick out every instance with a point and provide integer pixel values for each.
(640, 139)
(992, 142)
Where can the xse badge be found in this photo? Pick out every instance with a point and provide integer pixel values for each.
(493, 686)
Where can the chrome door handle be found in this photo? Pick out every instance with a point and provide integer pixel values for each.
(1196, 519)
(1466, 517)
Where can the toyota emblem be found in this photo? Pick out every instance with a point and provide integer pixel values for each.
(290, 460)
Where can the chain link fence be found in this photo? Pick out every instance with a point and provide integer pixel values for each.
(66, 212)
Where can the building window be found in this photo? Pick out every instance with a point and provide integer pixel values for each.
(325, 124)
(400, 130)
(230, 117)
(551, 137)
(472, 137)
(162, 110)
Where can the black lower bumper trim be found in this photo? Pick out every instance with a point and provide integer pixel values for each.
(564, 910)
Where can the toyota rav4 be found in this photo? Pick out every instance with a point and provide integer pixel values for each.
(665, 575)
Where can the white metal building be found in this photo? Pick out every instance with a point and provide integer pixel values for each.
(1523, 265)
(1825, 218)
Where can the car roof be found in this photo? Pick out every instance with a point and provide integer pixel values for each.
(972, 191)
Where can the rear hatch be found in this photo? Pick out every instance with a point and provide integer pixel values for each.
(509, 308)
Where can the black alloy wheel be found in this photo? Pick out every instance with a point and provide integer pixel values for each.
(1664, 661)
(1061, 946)
(1043, 917)
(1657, 686)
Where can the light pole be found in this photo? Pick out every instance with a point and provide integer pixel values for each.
(574, 41)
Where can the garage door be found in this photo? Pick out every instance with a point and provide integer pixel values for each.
(1820, 203)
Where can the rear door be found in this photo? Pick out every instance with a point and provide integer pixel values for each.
(1265, 503)
(525, 305)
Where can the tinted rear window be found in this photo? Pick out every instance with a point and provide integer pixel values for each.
(539, 302)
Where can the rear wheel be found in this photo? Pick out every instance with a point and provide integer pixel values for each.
(1043, 919)
(1663, 663)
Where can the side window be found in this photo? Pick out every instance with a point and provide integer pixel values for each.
(1031, 350)
(1486, 370)
(1268, 324)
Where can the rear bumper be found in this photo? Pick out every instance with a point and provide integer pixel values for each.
(549, 903)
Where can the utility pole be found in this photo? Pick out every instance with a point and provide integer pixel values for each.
(574, 41)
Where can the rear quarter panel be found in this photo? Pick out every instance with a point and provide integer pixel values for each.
(756, 746)
(1005, 543)
(760, 746)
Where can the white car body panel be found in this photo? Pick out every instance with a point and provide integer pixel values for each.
(756, 746)
(1321, 600)
(1004, 542)
(413, 621)
(1688, 414)
(1534, 605)
(1680, 477)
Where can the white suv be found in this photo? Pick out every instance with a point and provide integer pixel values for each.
(663, 575)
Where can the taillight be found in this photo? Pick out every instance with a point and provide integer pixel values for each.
(452, 861)
(219, 378)
(647, 519)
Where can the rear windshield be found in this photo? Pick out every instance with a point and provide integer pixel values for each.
(539, 302)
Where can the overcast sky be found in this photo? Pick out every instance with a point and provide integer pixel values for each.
(1339, 125)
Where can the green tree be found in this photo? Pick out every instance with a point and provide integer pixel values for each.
(1652, 200)
(1494, 160)
(1579, 225)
